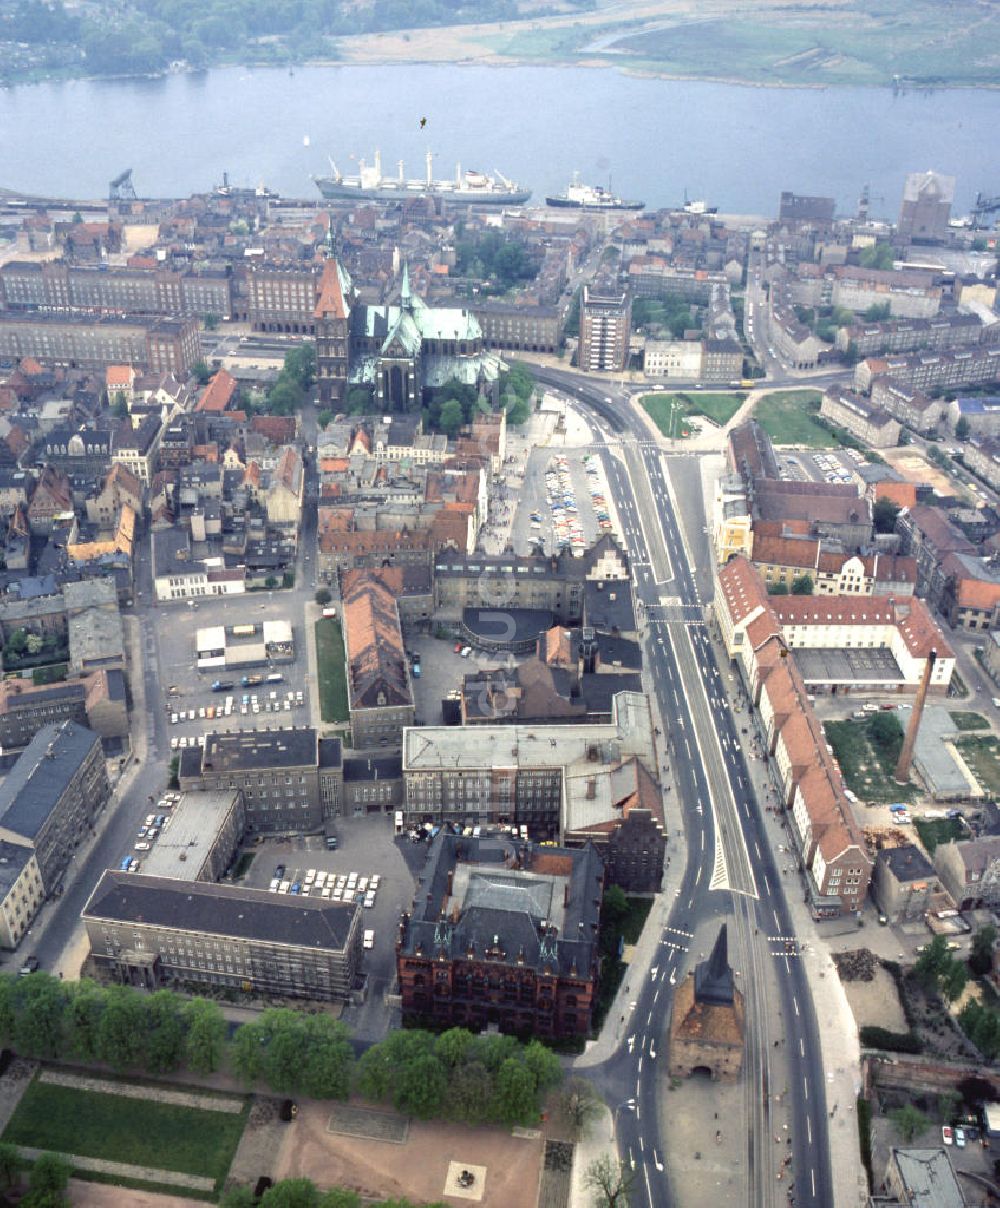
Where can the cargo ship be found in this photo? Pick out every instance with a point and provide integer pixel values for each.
(468, 188)
(591, 197)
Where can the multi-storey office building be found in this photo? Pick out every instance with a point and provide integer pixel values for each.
(155, 931)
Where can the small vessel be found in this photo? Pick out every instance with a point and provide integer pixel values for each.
(305, 140)
(698, 207)
(472, 188)
(591, 197)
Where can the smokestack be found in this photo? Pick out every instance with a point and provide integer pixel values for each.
(906, 754)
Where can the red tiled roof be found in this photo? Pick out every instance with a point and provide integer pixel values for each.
(218, 393)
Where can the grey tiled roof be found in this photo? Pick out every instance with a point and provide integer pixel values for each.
(41, 774)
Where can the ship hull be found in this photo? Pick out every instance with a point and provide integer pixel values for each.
(345, 190)
(567, 203)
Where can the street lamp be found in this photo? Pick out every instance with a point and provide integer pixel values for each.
(630, 1104)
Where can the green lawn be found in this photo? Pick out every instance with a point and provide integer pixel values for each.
(143, 1132)
(983, 757)
(52, 673)
(789, 418)
(668, 411)
(965, 720)
(332, 671)
(865, 773)
(933, 831)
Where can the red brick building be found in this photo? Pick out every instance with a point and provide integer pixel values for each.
(504, 933)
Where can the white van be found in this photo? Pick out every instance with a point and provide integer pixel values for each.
(368, 940)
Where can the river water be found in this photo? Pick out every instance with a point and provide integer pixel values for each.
(735, 146)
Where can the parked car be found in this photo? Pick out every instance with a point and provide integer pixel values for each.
(368, 940)
(947, 1136)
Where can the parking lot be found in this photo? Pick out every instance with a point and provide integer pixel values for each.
(828, 465)
(187, 692)
(442, 671)
(366, 846)
(555, 503)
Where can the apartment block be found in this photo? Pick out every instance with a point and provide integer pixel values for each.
(856, 415)
(50, 800)
(605, 324)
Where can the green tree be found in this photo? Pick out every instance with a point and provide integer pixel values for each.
(544, 1066)
(885, 730)
(340, 1197)
(291, 1193)
(17, 643)
(879, 255)
(164, 1051)
(325, 418)
(802, 585)
(777, 589)
(470, 1093)
(933, 961)
(614, 907)
(452, 417)
(420, 1087)
(885, 513)
(212, 322)
(877, 312)
(610, 1180)
(359, 400)
(323, 597)
(205, 1043)
(238, 1197)
(517, 411)
(34, 644)
(39, 1023)
(374, 1074)
(516, 1095)
(983, 943)
(954, 980)
(119, 407)
(962, 429)
(453, 1047)
(11, 1165)
(246, 1051)
(174, 772)
(49, 1176)
(579, 1105)
(83, 1012)
(285, 397)
(201, 372)
(330, 1061)
(8, 1011)
(122, 1033)
(909, 1121)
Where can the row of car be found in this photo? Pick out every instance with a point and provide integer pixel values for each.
(832, 467)
(155, 824)
(566, 526)
(596, 488)
(250, 703)
(336, 887)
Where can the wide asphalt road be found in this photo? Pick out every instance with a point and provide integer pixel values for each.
(730, 871)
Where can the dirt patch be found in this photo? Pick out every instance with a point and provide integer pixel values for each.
(103, 1195)
(876, 1003)
(417, 1168)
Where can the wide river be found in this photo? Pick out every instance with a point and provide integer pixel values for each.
(735, 146)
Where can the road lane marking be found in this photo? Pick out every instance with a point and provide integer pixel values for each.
(809, 1129)
(805, 1082)
(795, 1004)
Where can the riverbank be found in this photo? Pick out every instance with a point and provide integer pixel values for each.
(911, 45)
